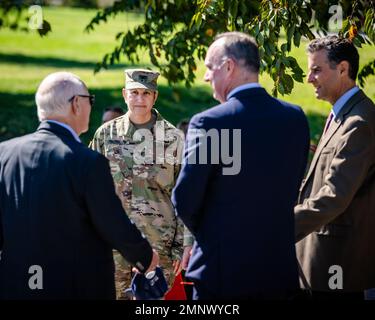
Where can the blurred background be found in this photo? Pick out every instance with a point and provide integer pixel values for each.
(26, 58)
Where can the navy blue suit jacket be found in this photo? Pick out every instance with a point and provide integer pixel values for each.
(244, 223)
(59, 211)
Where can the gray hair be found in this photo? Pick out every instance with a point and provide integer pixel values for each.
(242, 48)
(54, 92)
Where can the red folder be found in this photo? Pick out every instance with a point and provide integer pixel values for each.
(178, 291)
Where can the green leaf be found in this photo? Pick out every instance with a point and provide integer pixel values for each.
(119, 35)
(297, 38)
(280, 88)
(357, 42)
(293, 62)
(46, 28)
(233, 9)
(256, 29)
(288, 83)
(197, 20)
(289, 33)
(366, 71)
(284, 47)
(285, 61)
(260, 39)
(345, 25)
(177, 29)
(97, 68)
(361, 38)
(298, 76)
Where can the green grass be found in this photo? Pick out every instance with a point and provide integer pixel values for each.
(26, 58)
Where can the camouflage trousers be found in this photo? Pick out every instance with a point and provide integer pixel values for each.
(124, 274)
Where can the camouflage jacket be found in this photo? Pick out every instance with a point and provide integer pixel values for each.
(144, 184)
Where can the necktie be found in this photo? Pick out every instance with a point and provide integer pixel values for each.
(328, 122)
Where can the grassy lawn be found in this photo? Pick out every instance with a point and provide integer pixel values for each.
(25, 59)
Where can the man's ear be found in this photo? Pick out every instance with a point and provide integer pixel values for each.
(344, 68)
(230, 65)
(75, 106)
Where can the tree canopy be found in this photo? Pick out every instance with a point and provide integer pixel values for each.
(177, 32)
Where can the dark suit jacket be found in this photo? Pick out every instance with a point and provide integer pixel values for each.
(335, 215)
(58, 210)
(243, 223)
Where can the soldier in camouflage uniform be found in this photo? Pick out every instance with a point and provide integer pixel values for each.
(145, 152)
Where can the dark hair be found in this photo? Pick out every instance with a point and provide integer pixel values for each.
(241, 48)
(338, 49)
(114, 109)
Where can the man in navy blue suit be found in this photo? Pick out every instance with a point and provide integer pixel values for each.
(243, 164)
(59, 215)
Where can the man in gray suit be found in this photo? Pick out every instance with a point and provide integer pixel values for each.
(335, 214)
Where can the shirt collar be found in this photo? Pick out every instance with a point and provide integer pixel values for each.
(243, 87)
(343, 100)
(67, 127)
(126, 128)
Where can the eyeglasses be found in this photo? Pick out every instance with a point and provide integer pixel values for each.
(91, 98)
(222, 63)
(225, 59)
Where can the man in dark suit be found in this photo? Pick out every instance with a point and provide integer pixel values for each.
(241, 211)
(59, 214)
(335, 215)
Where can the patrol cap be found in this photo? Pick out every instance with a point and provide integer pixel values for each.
(141, 79)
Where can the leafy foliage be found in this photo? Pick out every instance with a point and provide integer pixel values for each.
(12, 17)
(177, 32)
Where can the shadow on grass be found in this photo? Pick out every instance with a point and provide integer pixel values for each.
(52, 62)
(18, 114)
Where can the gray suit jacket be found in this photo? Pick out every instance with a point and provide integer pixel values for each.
(335, 214)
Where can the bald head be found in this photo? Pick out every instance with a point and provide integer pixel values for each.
(241, 48)
(232, 60)
(54, 92)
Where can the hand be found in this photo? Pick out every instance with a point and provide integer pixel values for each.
(186, 257)
(176, 267)
(154, 263)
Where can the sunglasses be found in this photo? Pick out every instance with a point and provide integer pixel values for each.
(91, 98)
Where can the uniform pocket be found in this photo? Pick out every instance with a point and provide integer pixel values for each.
(120, 156)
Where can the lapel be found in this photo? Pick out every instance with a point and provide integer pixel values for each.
(335, 124)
